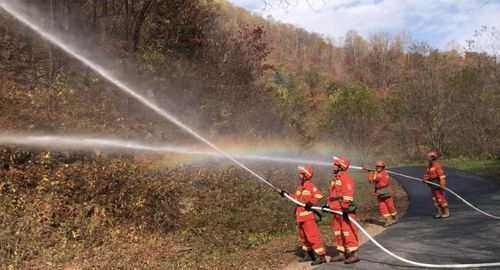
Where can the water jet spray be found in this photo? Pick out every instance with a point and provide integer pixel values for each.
(121, 85)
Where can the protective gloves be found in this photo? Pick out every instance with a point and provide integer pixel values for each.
(345, 213)
(308, 206)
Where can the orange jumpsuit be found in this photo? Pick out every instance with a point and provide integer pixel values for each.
(341, 195)
(308, 229)
(383, 192)
(435, 174)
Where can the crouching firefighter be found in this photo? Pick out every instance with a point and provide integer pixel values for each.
(380, 179)
(341, 198)
(308, 194)
(435, 174)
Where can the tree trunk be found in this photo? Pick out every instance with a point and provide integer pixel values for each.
(94, 16)
(51, 60)
(105, 16)
(127, 18)
(31, 72)
(137, 25)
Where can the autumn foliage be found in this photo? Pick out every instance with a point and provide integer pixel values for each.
(229, 74)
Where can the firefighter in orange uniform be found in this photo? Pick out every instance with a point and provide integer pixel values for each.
(435, 174)
(380, 178)
(308, 194)
(341, 198)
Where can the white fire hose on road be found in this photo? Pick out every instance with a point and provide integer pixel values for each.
(447, 189)
(390, 253)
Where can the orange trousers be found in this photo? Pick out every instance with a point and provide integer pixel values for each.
(345, 233)
(439, 198)
(310, 238)
(387, 207)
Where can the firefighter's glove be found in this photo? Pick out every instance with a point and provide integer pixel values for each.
(282, 192)
(308, 206)
(345, 213)
(325, 208)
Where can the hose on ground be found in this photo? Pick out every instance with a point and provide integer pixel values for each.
(390, 253)
(447, 189)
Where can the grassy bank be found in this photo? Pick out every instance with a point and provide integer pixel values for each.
(486, 168)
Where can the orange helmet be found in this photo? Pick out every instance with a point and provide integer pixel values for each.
(380, 163)
(432, 154)
(341, 162)
(306, 171)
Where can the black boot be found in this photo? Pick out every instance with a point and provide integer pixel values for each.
(388, 222)
(339, 258)
(306, 258)
(353, 258)
(309, 256)
(319, 260)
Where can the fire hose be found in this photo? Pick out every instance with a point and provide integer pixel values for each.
(445, 188)
(390, 253)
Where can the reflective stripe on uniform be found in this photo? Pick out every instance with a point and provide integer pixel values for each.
(442, 177)
(319, 196)
(346, 233)
(336, 233)
(297, 192)
(319, 250)
(341, 248)
(305, 213)
(348, 198)
(306, 192)
(351, 249)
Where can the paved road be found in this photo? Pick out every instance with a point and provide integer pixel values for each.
(466, 237)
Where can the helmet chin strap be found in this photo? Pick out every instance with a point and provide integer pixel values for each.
(302, 179)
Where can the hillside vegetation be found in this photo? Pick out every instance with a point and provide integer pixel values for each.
(222, 69)
(81, 211)
(236, 77)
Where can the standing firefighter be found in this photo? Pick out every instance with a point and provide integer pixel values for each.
(435, 174)
(341, 198)
(308, 194)
(380, 179)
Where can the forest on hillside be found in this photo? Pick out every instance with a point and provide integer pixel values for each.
(234, 74)
(239, 79)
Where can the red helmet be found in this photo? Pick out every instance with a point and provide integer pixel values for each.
(380, 163)
(341, 162)
(306, 171)
(432, 154)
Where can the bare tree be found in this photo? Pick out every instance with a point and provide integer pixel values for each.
(137, 24)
